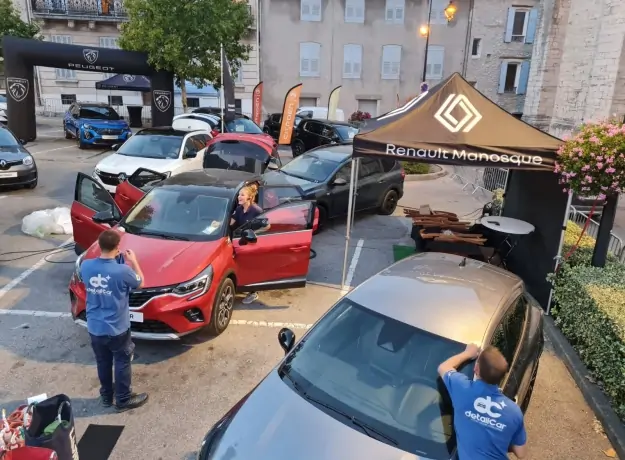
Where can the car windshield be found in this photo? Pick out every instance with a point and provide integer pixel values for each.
(347, 133)
(161, 146)
(7, 139)
(184, 214)
(311, 167)
(97, 112)
(235, 155)
(380, 375)
(243, 125)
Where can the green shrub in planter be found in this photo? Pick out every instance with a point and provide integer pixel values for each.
(583, 253)
(590, 312)
(411, 167)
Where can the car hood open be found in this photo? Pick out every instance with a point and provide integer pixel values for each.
(174, 262)
(277, 423)
(116, 164)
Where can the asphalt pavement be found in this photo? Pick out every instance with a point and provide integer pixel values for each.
(194, 382)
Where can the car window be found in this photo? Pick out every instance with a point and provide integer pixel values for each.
(199, 140)
(345, 172)
(162, 146)
(93, 195)
(380, 371)
(243, 125)
(369, 167)
(190, 146)
(305, 114)
(97, 112)
(235, 155)
(346, 133)
(313, 127)
(7, 139)
(145, 179)
(272, 196)
(328, 131)
(509, 331)
(187, 213)
(311, 167)
(3, 98)
(388, 164)
(276, 117)
(291, 217)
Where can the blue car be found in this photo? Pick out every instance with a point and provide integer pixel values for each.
(95, 123)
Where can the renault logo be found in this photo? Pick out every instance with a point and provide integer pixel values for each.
(467, 123)
(3, 164)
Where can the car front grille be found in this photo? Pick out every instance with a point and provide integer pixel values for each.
(18, 180)
(6, 164)
(141, 296)
(108, 131)
(108, 179)
(150, 326)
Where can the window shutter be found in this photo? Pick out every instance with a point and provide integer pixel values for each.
(502, 76)
(524, 77)
(509, 25)
(316, 11)
(359, 13)
(389, 13)
(305, 10)
(399, 13)
(531, 26)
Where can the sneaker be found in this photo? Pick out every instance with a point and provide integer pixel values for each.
(250, 298)
(106, 402)
(136, 400)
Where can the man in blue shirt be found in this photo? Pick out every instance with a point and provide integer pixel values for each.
(488, 424)
(108, 283)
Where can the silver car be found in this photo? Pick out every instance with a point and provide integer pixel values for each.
(363, 382)
(17, 166)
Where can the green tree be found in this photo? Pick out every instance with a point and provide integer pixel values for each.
(11, 24)
(185, 36)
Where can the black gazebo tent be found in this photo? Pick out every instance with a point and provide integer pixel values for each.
(455, 124)
(125, 83)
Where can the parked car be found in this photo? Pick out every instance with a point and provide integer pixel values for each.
(323, 175)
(190, 281)
(314, 133)
(168, 151)
(94, 123)
(241, 124)
(241, 152)
(319, 112)
(3, 109)
(273, 124)
(17, 166)
(363, 381)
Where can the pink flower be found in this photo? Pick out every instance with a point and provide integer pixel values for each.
(588, 179)
(614, 184)
(599, 165)
(609, 160)
(564, 190)
(585, 167)
(594, 139)
(599, 158)
(609, 170)
(601, 197)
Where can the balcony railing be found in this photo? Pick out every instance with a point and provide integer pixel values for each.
(112, 10)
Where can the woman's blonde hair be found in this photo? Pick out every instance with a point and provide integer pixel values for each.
(251, 190)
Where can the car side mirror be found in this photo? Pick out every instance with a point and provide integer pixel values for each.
(339, 181)
(115, 147)
(23, 142)
(286, 339)
(74, 116)
(104, 217)
(248, 236)
(273, 166)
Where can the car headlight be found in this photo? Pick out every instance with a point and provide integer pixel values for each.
(96, 170)
(198, 285)
(86, 126)
(28, 161)
(77, 266)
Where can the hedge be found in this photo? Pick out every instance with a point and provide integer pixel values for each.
(590, 311)
(413, 167)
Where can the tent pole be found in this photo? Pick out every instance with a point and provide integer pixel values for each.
(350, 212)
(559, 256)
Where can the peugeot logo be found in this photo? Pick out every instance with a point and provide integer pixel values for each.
(90, 55)
(162, 99)
(18, 88)
(3, 164)
(122, 177)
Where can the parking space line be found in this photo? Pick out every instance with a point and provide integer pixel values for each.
(44, 314)
(25, 274)
(241, 322)
(352, 267)
(54, 150)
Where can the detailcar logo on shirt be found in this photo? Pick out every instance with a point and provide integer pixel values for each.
(487, 412)
(99, 285)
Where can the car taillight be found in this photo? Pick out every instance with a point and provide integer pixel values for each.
(316, 220)
(214, 133)
(403, 173)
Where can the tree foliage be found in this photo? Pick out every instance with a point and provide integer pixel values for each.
(185, 36)
(11, 23)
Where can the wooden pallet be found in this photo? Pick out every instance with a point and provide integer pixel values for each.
(455, 237)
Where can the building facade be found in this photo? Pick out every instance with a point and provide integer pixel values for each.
(98, 23)
(578, 65)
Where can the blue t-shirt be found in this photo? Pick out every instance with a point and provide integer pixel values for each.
(486, 421)
(242, 217)
(108, 286)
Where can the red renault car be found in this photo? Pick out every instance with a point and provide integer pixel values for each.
(193, 261)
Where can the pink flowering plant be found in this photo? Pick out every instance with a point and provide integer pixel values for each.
(592, 162)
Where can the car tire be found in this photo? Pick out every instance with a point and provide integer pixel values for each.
(530, 389)
(81, 144)
(32, 185)
(298, 148)
(67, 134)
(323, 218)
(223, 305)
(389, 203)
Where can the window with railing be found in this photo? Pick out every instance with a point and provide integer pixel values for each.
(63, 74)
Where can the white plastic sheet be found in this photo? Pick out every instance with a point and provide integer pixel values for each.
(46, 222)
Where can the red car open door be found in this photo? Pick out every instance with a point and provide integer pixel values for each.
(90, 198)
(135, 187)
(279, 257)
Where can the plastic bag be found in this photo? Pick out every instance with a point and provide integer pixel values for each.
(46, 222)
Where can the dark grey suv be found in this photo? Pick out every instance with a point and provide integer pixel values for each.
(17, 166)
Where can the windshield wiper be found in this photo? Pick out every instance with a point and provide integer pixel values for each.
(161, 235)
(366, 429)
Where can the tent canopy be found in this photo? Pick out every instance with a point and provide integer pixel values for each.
(453, 123)
(125, 83)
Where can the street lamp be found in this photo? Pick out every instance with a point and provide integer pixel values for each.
(424, 31)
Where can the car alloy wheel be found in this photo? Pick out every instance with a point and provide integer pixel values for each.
(389, 204)
(222, 307)
(67, 134)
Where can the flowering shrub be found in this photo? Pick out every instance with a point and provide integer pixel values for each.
(359, 116)
(424, 87)
(592, 163)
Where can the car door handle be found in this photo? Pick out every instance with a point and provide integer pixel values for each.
(381, 181)
(123, 197)
(298, 248)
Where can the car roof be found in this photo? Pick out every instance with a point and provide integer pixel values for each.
(244, 137)
(330, 122)
(220, 182)
(434, 292)
(166, 131)
(98, 104)
(337, 152)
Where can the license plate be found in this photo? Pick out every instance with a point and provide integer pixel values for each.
(8, 174)
(136, 317)
(109, 138)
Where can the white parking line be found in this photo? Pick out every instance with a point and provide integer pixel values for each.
(25, 274)
(54, 150)
(352, 267)
(236, 322)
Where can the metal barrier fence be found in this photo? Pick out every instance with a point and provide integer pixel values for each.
(486, 180)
